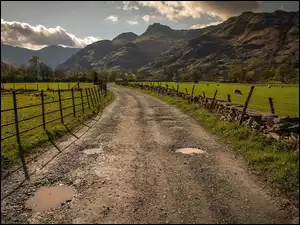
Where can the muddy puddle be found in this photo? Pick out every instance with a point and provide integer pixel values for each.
(190, 151)
(49, 198)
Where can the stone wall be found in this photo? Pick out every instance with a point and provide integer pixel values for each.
(285, 129)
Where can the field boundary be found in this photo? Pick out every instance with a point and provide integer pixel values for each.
(283, 129)
(92, 98)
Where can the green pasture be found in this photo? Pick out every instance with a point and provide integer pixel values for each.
(36, 136)
(286, 99)
(44, 86)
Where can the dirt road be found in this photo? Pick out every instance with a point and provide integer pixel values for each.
(125, 170)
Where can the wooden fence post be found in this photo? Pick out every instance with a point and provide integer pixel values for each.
(271, 105)
(97, 97)
(100, 93)
(87, 96)
(90, 94)
(246, 104)
(203, 94)
(60, 107)
(92, 89)
(73, 102)
(193, 90)
(18, 137)
(43, 110)
(213, 101)
(192, 94)
(228, 98)
(186, 91)
(82, 105)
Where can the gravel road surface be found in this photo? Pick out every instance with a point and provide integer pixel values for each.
(125, 169)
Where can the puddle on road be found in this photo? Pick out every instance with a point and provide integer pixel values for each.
(190, 151)
(50, 197)
(92, 151)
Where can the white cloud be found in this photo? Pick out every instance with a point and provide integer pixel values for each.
(112, 18)
(132, 22)
(178, 10)
(35, 37)
(200, 26)
(147, 18)
(126, 6)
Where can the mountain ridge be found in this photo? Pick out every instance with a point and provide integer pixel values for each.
(52, 55)
(252, 41)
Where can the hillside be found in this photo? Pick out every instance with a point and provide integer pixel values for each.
(250, 41)
(50, 55)
(6, 67)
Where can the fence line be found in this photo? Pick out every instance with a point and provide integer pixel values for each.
(99, 89)
(269, 101)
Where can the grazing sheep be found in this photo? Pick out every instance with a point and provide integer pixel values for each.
(269, 86)
(238, 92)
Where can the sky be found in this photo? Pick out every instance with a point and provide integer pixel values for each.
(36, 24)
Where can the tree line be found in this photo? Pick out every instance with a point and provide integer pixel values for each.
(37, 71)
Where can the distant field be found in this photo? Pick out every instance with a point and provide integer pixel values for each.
(286, 99)
(44, 86)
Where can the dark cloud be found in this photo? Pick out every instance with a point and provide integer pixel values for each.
(178, 10)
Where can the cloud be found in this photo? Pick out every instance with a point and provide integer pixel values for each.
(147, 18)
(200, 26)
(132, 22)
(178, 10)
(126, 6)
(112, 18)
(35, 37)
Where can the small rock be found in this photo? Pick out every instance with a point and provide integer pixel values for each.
(273, 135)
(294, 128)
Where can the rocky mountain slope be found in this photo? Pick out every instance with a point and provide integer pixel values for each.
(253, 41)
(50, 55)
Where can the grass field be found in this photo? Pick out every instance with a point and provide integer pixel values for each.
(279, 165)
(286, 99)
(44, 86)
(36, 136)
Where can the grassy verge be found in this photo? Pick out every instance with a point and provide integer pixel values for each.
(32, 139)
(270, 158)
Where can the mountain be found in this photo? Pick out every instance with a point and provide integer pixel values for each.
(51, 55)
(254, 41)
(251, 41)
(127, 50)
